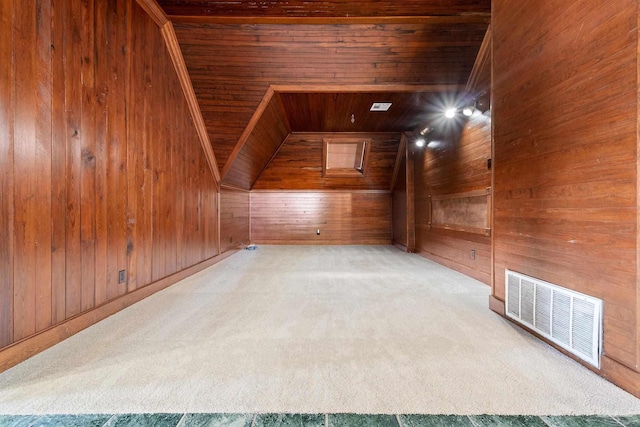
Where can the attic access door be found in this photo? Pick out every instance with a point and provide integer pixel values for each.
(345, 157)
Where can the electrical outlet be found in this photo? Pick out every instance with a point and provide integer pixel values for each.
(318, 232)
(122, 276)
(473, 254)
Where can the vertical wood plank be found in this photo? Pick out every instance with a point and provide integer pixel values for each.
(135, 133)
(113, 149)
(178, 169)
(116, 191)
(43, 164)
(129, 232)
(88, 165)
(90, 108)
(58, 165)
(120, 85)
(145, 219)
(7, 88)
(172, 183)
(26, 209)
(73, 108)
(411, 196)
(157, 156)
(101, 62)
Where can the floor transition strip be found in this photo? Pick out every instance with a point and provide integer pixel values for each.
(313, 420)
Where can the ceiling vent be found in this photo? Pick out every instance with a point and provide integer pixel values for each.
(569, 319)
(380, 106)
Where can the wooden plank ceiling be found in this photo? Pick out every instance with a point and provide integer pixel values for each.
(351, 112)
(236, 52)
(326, 8)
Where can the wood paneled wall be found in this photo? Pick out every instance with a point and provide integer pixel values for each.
(101, 169)
(233, 65)
(343, 218)
(455, 162)
(565, 112)
(298, 164)
(234, 218)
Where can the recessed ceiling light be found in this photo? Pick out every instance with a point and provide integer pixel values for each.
(450, 113)
(380, 106)
(420, 142)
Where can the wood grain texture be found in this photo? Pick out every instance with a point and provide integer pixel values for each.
(411, 193)
(329, 8)
(257, 56)
(154, 11)
(20, 351)
(332, 112)
(298, 164)
(293, 217)
(399, 200)
(566, 155)
(7, 233)
(113, 177)
(480, 77)
(454, 162)
(234, 218)
(263, 136)
(171, 41)
(26, 116)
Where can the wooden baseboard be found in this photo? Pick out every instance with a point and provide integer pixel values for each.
(496, 305)
(28, 347)
(622, 376)
(319, 242)
(400, 246)
(460, 268)
(610, 369)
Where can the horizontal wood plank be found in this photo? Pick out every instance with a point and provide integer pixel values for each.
(298, 164)
(342, 217)
(565, 201)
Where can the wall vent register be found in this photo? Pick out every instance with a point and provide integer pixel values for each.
(567, 318)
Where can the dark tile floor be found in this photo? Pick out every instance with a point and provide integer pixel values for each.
(312, 420)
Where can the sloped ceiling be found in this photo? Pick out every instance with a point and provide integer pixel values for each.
(236, 52)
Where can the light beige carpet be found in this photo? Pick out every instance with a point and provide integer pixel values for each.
(311, 329)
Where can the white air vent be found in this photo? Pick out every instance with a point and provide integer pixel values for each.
(380, 106)
(568, 318)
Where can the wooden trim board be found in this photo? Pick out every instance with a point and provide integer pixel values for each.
(322, 242)
(610, 369)
(483, 60)
(496, 305)
(154, 11)
(266, 99)
(171, 41)
(399, 156)
(22, 350)
(477, 18)
(386, 87)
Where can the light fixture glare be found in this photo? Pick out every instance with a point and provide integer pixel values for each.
(468, 111)
(420, 142)
(450, 113)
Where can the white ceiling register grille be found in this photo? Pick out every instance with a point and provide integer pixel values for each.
(569, 319)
